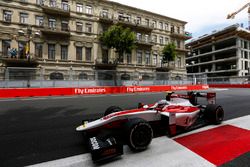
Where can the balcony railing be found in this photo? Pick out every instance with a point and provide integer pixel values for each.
(18, 59)
(182, 35)
(144, 41)
(188, 34)
(50, 30)
(104, 63)
(106, 17)
(56, 8)
(139, 24)
(165, 67)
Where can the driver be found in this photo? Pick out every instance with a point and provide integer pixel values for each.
(168, 96)
(161, 104)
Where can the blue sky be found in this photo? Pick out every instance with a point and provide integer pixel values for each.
(202, 16)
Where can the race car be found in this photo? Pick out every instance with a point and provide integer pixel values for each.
(176, 113)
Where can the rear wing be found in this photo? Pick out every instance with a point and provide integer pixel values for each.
(192, 96)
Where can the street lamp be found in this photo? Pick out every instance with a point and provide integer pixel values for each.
(192, 63)
(27, 49)
(194, 79)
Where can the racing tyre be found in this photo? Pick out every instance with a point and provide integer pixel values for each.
(214, 113)
(112, 109)
(138, 134)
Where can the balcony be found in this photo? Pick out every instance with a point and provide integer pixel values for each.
(105, 64)
(106, 18)
(18, 60)
(144, 42)
(185, 35)
(128, 21)
(54, 8)
(188, 35)
(134, 23)
(165, 67)
(62, 31)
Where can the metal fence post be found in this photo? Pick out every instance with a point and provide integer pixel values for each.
(41, 76)
(96, 78)
(6, 77)
(170, 77)
(194, 79)
(154, 78)
(118, 78)
(70, 80)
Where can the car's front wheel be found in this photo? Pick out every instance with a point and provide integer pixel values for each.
(138, 133)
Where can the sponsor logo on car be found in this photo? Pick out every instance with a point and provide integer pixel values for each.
(109, 152)
(94, 143)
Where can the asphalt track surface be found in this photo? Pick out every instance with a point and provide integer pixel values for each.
(36, 130)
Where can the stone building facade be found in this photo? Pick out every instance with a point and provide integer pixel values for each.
(61, 37)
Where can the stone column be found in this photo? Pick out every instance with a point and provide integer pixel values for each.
(58, 51)
(45, 51)
(71, 51)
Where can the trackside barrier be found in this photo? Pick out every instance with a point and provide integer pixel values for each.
(229, 85)
(30, 92)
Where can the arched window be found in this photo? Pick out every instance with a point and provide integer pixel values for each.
(177, 77)
(105, 76)
(162, 76)
(125, 77)
(83, 76)
(56, 76)
(145, 77)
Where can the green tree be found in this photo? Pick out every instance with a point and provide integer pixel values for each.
(119, 38)
(168, 53)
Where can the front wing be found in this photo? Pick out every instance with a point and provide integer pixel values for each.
(104, 149)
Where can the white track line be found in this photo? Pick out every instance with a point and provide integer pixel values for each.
(241, 122)
(218, 89)
(162, 152)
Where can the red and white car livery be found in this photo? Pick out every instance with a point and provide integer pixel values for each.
(176, 111)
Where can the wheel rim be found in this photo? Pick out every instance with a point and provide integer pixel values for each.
(142, 136)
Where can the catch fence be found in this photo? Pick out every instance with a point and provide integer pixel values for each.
(13, 77)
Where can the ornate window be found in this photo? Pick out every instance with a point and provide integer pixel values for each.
(56, 76)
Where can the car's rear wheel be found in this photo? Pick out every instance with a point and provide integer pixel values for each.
(138, 133)
(112, 109)
(214, 113)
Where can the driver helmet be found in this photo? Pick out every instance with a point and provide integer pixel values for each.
(161, 104)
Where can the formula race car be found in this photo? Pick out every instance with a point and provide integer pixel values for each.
(174, 114)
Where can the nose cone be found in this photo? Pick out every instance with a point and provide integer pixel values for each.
(80, 128)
